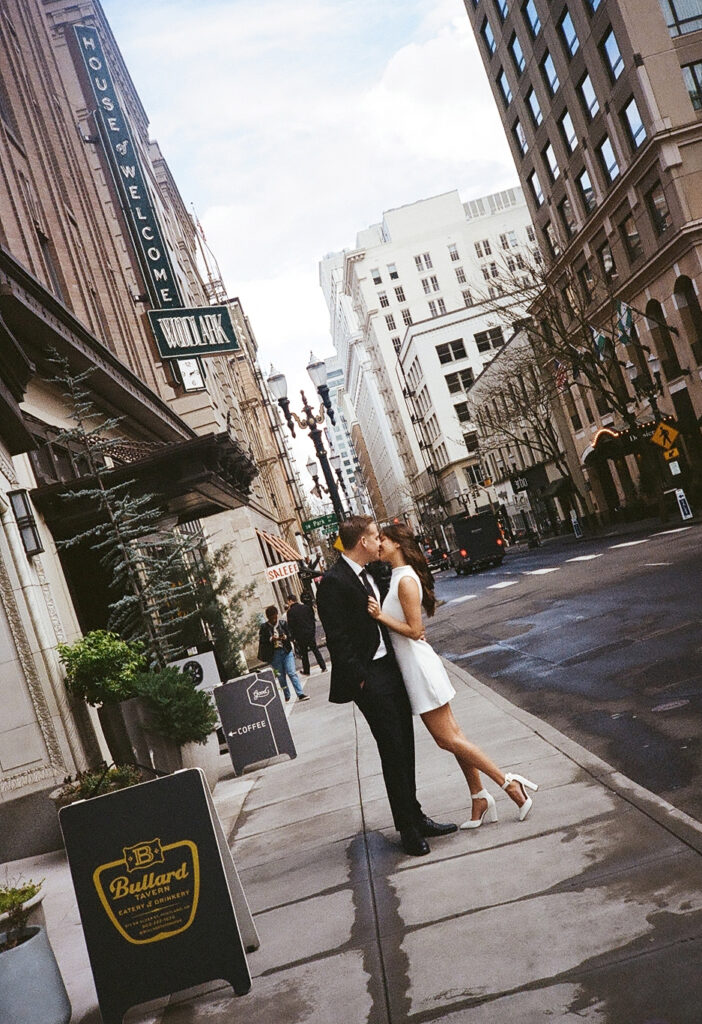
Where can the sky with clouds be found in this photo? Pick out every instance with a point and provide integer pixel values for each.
(292, 124)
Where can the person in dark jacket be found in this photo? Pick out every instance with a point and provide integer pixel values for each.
(302, 623)
(275, 647)
(364, 670)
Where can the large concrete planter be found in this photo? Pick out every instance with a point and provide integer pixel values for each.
(205, 756)
(35, 913)
(114, 730)
(31, 987)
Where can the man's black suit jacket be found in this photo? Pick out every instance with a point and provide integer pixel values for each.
(352, 635)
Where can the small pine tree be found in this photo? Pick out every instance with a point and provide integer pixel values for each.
(154, 592)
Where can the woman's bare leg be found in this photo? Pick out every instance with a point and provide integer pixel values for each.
(448, 735)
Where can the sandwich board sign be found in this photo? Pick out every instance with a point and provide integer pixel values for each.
(159, 896)
(253, 719)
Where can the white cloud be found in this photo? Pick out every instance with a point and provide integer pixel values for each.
(292, 126)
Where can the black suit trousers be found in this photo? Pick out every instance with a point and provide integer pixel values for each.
(384, 704)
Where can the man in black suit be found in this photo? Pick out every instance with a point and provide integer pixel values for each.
(301, 623)
(364, 670)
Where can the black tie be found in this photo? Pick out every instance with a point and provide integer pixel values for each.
(363, 575)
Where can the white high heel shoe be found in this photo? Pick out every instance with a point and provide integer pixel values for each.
(525, 784)
(489, 814)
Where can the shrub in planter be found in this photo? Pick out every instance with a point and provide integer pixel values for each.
(178, 711)
(100, 667)
(31, 986)
(96, 782)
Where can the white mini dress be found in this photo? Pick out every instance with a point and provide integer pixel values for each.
(426, 680)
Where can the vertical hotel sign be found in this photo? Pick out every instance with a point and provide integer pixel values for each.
(128, 173)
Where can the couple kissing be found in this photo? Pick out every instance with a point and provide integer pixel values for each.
(381, 662)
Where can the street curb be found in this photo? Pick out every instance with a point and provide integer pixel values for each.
(673, 820)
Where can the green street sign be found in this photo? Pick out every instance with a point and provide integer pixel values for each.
(319, 522)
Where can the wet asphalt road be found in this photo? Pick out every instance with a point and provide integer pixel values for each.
(602, 638)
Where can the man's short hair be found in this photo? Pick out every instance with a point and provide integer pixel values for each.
(270, 611)
(352, 529)
(291, 599)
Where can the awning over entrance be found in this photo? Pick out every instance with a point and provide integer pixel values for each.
(191, 480)
(289, 553)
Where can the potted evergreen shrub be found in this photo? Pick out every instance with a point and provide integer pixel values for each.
(31, 986)
(100, 669)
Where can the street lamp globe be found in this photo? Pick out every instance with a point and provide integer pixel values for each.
(654, 364)
(631, 371)
(312, 468)
(317, 370)
(335, 460)
(277, 384)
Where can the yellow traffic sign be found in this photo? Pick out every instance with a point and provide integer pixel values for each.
(664, 435)
(672, 453)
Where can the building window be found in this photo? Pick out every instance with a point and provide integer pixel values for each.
(462, 412)
(26, 523)
(631, 238)
(551, 163)
(530, 235)
(504, 85)
(482, 248)
(586, 191)
(692, 75)
(682, 16)
(383, 299)
(593, 5)
(517, 53)
(390, 322)
(423, 262)
(565, 212)
(434, 281)
(461, 381)
(451, 350)
(521, 138)
(427, 261)
(486, 273)
(612, 56)
(509, 240)
(634, 124)
(425, 285)
(442, 305)
(375, 274)
(467, 297)
(488, 37)
(552, 243)
(608, 160)
(568, 132)
(588, 97)
(587, 282)
(502, 8)
(492, 338)
(536, 189)
(453, 252)
(396, 344)
(536, 115)
(548, 70)
(51, 268)
(392, 271)
(400, 293)
(569, 34)
(531, 16)
(432, 308)
(606, 261)
(494, 272)
(460, 275)
(406, 317)
(658, 208)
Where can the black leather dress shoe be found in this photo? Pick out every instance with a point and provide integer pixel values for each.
(427, 827)
(413, 842)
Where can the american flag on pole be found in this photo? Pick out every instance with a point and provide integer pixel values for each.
(560, 375)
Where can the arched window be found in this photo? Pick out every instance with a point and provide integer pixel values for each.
(690, 314)
(662, 341)
(637, 354)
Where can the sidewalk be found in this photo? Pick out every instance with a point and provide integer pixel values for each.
(591, 909)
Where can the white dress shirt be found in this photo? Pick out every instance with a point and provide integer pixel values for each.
(382, 649)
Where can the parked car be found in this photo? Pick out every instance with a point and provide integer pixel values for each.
(437, 558)
(480, 542)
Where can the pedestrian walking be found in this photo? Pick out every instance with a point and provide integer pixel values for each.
(302, 625)
(275, 648)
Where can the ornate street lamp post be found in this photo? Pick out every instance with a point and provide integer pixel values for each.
(278, 387)
(647, 389)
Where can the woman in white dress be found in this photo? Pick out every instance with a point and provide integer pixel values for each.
(428, 685)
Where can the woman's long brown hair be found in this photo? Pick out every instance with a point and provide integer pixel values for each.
(414, 556)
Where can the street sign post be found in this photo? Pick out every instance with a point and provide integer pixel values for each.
(319, 522)
(664, 435)
(683, 504)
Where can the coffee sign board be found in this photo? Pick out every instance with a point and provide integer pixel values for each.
(158, 893)
(253, 719)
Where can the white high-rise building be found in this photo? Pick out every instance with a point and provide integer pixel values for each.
(339, 438)
(408, 290)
